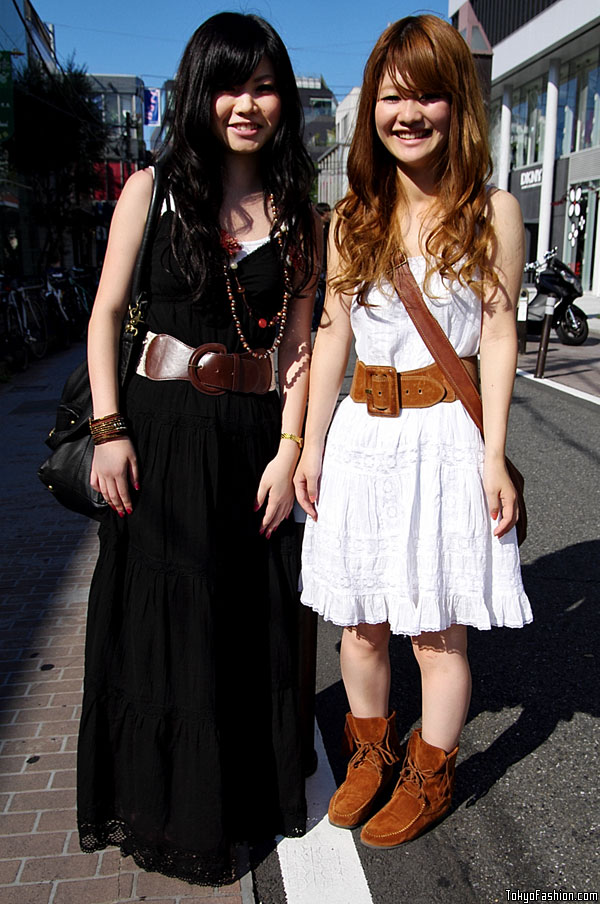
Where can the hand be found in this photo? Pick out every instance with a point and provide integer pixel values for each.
(501, 495)
(276, 487)
(114, 467)
(307, 479)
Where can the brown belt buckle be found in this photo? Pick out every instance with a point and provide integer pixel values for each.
(195, 366)
(381, 389)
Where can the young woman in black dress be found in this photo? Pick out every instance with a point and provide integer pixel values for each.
(189, 738)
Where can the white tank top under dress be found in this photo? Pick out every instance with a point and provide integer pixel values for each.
(404, 533)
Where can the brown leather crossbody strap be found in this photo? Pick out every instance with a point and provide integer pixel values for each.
(436, 340)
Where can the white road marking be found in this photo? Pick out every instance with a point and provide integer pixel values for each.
(323, 867)
(561, 386)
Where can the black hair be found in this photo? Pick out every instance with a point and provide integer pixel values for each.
(222, 53)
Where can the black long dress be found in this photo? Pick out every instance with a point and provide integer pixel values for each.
(189, 738)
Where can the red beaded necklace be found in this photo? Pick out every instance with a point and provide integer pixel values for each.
(232, 246)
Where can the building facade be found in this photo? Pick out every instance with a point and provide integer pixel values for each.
(333, 162)
(319, 106)
(545, 121)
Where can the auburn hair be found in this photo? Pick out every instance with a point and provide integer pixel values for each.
(431, 58)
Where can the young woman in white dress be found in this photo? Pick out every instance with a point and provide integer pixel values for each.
(412, 517)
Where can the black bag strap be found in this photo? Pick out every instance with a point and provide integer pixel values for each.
(138, 306)
(139, 302)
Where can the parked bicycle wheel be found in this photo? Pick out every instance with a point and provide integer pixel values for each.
(36, 334)
(13, 346)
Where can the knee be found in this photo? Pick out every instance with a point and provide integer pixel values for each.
(441, 649)
(366, 640)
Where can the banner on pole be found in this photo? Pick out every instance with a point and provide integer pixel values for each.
(151, 106)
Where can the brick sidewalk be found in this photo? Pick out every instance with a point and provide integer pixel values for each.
(47, 559)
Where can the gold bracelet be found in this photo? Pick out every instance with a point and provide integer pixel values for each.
(294, 438)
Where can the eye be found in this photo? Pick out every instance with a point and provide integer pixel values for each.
(266, 88)
(430, 98)
(390, 98)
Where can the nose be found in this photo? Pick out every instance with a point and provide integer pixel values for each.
(409, 111)
(245, 102)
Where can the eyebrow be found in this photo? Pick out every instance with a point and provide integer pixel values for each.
(268, 76)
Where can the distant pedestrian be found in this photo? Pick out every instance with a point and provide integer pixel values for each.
(416, 517)
(189, 736)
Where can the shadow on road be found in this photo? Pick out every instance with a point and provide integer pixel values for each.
(548, 669)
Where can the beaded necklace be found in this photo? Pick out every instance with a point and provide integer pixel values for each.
(232, 246)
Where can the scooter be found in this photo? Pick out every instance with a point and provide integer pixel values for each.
(551, 276)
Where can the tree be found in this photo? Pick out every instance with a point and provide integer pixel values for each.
(59, 135)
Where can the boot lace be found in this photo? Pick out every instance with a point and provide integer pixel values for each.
(412, 780)
(374, 753)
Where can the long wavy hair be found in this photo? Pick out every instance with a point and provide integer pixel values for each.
(223, 52)
(431, 58)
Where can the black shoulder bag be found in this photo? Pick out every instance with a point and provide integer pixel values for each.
(66, 473)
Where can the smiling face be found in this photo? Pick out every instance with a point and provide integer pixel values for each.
(412, 126)
(245, 117)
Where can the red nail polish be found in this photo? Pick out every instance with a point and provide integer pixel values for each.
(256, 506)
(129, 511)
(269, 532)
(121, 514)
(136, 486)
(262, 530)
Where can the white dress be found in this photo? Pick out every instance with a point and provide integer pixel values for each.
(404, 533)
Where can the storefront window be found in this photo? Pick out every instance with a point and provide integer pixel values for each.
(581, 230)
(518, 130)
(567, 120)
(528, 123)
(589, 105)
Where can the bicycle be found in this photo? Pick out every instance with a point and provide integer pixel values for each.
(68, 302)
(25, 330)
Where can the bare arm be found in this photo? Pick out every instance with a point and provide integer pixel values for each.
(499, 354)
(115, 462)
(330, 358)
(293, 366)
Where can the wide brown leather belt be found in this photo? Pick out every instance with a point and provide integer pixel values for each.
(386, 390)
(210, 368)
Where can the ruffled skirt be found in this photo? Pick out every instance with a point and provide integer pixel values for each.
(403, 532)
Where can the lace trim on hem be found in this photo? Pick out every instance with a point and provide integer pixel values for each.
(363, 618)
(197, 869)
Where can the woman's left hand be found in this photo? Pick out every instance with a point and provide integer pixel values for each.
(501, 495)
(276, 488)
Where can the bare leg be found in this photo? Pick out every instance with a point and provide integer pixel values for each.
(445, 684)
(365, 664)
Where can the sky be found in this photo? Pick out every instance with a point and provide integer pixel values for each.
(332, 38)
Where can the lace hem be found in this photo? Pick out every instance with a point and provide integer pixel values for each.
(506, 611)
(197, 869)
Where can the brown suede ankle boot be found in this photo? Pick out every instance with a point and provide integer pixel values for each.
(369, 771)
(421, 797)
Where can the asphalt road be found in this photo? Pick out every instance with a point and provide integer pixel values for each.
(525, 814)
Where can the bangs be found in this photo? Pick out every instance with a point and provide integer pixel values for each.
(415, 61)
(232, 64)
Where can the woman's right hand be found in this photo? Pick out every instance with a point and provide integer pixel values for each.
(114, 467)
(307, 479)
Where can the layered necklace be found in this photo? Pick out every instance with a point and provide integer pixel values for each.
(233, 286)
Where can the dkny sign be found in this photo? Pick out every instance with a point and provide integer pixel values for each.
(531, 178)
